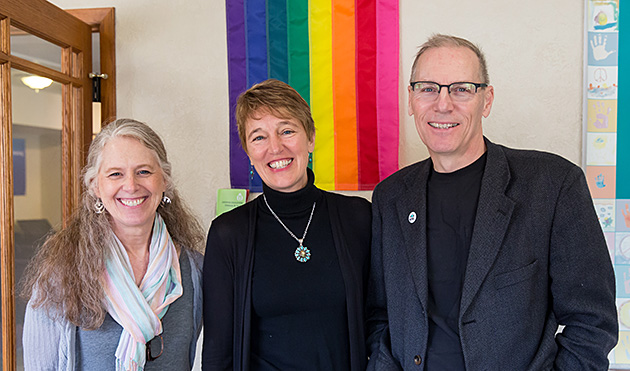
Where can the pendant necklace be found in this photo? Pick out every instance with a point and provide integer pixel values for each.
(302, 253)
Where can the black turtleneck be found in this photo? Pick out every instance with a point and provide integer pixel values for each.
(299, 316)
(451, 210)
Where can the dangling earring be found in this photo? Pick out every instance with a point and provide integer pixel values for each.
(99, 208)
(165, 201)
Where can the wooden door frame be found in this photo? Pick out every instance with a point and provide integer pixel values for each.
(42, 19)
(102, 20)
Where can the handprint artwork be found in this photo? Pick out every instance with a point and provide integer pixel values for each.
(602, 115)
(599, 181)
(626, 215)
(603, 49)
(598, 46)
(602, 119)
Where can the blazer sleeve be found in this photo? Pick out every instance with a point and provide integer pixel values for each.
(218, 300)
(378, 341)
(582, 281)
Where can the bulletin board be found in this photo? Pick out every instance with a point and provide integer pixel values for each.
(607, 150)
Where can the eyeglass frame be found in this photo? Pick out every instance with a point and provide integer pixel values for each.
(148, 348)
(448, 86)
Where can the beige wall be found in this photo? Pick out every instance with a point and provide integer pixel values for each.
(172, 73)
(534, 51)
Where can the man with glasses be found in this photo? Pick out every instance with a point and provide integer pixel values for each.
(484, 257)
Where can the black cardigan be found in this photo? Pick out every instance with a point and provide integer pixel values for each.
(228, 265)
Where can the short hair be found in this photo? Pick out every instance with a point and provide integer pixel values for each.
(128, 128)
(274, 97)
(440, 40)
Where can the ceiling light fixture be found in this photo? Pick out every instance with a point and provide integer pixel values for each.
(36, 82)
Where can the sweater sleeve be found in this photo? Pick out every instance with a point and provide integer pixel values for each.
(218, 301)
(196, 263)
(48, 343)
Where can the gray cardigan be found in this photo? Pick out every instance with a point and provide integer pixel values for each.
(50, 344)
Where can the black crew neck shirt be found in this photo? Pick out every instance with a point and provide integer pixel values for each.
(451, 209)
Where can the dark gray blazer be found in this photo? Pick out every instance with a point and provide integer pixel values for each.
(538, 259)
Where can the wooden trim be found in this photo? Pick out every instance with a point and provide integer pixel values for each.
(92, 16)
(35, 16)
(108, 66)
(80, 135)
(7, 276)
(103, 20)
(44, 20)
(66, 142)
(5, 38)
(7, 285)
(38, 69)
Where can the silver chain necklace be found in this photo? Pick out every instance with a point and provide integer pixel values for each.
(302, 253)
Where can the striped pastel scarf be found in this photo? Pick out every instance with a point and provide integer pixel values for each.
(139, 310)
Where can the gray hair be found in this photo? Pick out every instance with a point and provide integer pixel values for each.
(124, 128)
(440, 40)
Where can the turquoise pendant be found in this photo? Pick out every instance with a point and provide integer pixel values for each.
(302, 254)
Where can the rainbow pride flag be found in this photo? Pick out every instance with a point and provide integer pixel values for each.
(342, 56)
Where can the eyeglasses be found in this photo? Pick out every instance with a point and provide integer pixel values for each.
(151, 357)
(458, 91)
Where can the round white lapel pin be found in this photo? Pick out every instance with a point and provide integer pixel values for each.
(412, 217)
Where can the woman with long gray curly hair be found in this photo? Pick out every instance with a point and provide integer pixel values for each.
(119, 287)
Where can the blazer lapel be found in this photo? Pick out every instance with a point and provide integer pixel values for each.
(412, 220)
(494, 211)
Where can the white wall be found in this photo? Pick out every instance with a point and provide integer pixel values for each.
(172, 73)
